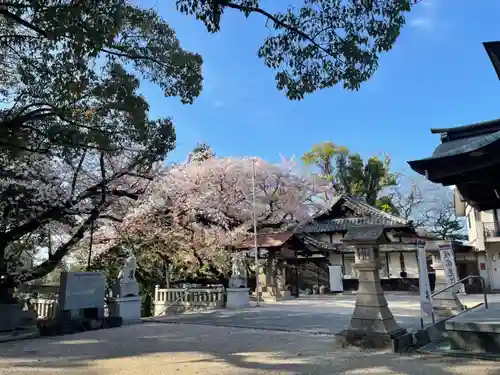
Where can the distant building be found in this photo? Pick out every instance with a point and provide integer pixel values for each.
(484, 236)
(304, 255)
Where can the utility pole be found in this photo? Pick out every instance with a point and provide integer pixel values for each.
(254, 205)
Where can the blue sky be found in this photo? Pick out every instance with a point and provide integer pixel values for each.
(437, 75)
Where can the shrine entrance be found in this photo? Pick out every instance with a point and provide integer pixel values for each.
(307, 275)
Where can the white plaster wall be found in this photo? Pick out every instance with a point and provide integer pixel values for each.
(487, 216)
(471, 219)
(348, 265)
(384, 272)
(493, 264)
(411, 265)
(481, 258)
(394, 265)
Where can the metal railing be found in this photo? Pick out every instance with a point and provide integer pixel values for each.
(483, 286)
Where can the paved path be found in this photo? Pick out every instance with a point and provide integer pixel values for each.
(322, 314)
(170, 349)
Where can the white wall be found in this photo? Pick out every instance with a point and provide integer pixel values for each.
(394, 265)
(481, 258)
(348, 265)
(411, 265)
(487, 216)
(472, 225)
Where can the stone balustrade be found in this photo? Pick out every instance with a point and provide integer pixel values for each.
(44, 307)
(183, 299)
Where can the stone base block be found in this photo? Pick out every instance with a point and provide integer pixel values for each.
(367, 340)
(128, 308)
(477, 342)
(237, 298)
(376, 326)
(10, 316)
(126, 288)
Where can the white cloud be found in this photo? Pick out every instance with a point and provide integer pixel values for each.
(425, 15)
(219, 104)
(421, 23)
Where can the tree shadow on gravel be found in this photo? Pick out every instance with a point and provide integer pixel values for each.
(179, 346)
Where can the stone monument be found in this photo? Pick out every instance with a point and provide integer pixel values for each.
(447, 303)
(81, 295)
(238, 292)
(372, 324)
(126, 301)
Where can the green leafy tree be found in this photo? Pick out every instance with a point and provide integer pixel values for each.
(75, 134)
(349, 174)
(316, 44)
(201, 152)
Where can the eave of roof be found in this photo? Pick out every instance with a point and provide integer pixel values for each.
(493, 51)
(265, 240)
(481, 127)
(343, 224)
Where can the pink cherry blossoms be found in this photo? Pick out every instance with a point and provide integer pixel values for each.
(199, 209)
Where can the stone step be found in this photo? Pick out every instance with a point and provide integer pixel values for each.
(443, 348)
(476, 330)
(20, 334)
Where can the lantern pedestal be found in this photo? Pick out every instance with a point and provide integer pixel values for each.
(372, 324)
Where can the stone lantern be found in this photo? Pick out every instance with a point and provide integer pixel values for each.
(372, 323)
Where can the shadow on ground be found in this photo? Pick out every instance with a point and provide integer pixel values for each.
(167, 348)
(203, 347)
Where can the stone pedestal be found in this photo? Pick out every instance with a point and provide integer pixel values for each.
(126, 288)
(128, 308)
(237, 298)
(372, 323)
(447, 303)
(236, 282)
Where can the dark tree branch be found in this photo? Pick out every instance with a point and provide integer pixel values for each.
(22, 22)
(51, 263)
(227, 4)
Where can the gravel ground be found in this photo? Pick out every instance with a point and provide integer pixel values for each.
(160, 348)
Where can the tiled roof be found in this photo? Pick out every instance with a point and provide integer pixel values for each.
(322, 245)
(368, 216)
(371, 211)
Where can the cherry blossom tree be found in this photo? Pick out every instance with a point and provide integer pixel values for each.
(192, 214)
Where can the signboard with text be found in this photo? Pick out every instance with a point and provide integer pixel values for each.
(449, 265)
(424, 283)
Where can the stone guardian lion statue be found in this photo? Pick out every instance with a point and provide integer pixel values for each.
(127, 273)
